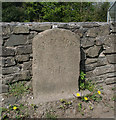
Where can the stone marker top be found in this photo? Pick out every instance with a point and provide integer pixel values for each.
(57, 31)
(56, 64)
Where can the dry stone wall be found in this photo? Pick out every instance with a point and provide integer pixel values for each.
(97, 45)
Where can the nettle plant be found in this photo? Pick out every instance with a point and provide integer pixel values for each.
(95, 94)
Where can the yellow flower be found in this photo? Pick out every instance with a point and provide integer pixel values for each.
(78, 95)
(14, 107)
(85, 98)
(99, 92)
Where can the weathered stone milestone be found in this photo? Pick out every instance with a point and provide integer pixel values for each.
(56, 64)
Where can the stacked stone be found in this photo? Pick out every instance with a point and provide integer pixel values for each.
(97, 50)
(17, 51)
(98, 44)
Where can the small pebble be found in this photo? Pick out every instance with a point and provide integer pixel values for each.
(2, 99)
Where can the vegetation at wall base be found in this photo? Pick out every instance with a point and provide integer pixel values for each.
(95, 94)
(18, 88)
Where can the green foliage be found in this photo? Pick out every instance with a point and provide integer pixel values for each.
(5, 117)
(62, 100)
(18, 88)
(66, 12)
(2, 109)
(65, 104)
(51, 116)
(34, 106)
(113, 88)
(95, 97)
(12, 12)
(54, 11)
(33, 11)
(91, 87)
(85, 84)
(82, 75)
(19, 112)
(101, 11)
(68, 103)
(82, 85)
(61, 107)
(90, 107)
(114, 98)
(82, 81)
(79, 106)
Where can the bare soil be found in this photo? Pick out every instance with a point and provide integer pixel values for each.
(71, 108)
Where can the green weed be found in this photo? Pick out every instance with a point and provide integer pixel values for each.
(82, 80)
(91, 107)
(65, 104)
(4, 117)
(51, 116)
(18, 88)
(91, 87)
(17, 111)
(114, 98)
(114, 88)
(85, 84)
(61, 107)
(79, 106)
(2, 109)
(34, 106)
